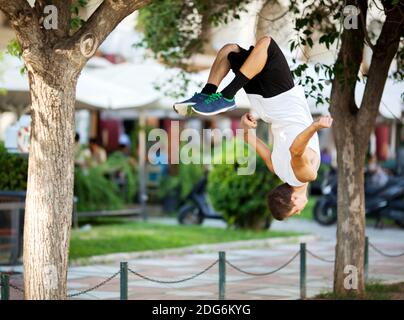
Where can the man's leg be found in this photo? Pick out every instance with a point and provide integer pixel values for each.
(221, 65)
(224, 101)
(218, 71)
(253, 65)
(257, 59)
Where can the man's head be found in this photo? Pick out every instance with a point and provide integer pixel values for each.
(92, 143)
(284, 201)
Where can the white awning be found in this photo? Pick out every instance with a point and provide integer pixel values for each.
(132, 86)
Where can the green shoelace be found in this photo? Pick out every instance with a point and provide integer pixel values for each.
(213, 97)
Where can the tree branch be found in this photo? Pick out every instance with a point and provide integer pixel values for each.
(347, 66)
(101, 23)
(383, 54)
(24, 20)
(365, 32)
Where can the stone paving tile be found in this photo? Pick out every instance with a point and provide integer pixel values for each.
(284, 284)
(72, 276)
(167, 263)
(76, 285)
(191, 294)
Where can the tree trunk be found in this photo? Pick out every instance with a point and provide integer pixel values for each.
(352, 129)
(270, 20)
(349, 276)
(50, 181)
(349, 271)
(54, 59)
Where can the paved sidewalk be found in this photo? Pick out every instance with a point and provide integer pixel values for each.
(281, 285)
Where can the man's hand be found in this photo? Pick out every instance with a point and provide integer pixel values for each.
(323, 122)
(248, 122)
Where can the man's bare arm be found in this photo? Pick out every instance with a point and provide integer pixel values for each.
(300, 143)
(301, 161)
(248, 122)
(262, 149)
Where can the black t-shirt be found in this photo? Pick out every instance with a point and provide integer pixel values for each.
(274, 79)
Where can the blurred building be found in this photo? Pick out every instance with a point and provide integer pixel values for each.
(116, 88)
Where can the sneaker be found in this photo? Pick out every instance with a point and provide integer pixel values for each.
(185, 107)
(214, 104)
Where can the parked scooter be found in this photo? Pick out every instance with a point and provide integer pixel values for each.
(197, 208)
(381, 202)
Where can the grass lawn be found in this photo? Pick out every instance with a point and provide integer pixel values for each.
(122, 235)
(374, 291)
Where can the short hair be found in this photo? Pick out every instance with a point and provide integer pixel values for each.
(77, 137)
(280, 201)
(93, 141)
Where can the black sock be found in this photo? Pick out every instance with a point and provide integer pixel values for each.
(209, 88)
(238, 82)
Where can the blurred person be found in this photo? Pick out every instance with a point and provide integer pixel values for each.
(400, 160)
(82, 155)
(326, 157)
(98, 153)
(378, 177)
(160, 159)
(124, 150)
(124, 139)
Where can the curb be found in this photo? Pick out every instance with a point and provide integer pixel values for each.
(214, 247)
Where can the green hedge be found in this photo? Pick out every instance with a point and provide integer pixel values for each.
(95, 191)
(188, 175)
(242, 199)
(92, 187)
(13, 171)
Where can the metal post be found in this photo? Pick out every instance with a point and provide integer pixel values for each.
(222, 274)
(366, 259)
(5, 287)
(75, 214)
(302, 271)
(124, 281)
(142, 165)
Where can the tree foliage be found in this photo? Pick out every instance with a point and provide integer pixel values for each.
(175, 29)
(322, 22)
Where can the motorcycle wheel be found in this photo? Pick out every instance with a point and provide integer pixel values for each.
(189, 214)
(400, 223)
(325, 212)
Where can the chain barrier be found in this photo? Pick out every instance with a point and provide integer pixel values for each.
(95, 287)
(173, 281)
(13, 286)
(208, 268)
(385, 254)
(265, 273)
(318, 257)
(16, 288)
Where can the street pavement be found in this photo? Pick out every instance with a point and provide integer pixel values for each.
(283, 284)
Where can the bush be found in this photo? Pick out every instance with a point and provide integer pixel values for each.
(92, 186)
(118, 162)
(242, 199)
(187, 177)
(95, 191)
(13, 171)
